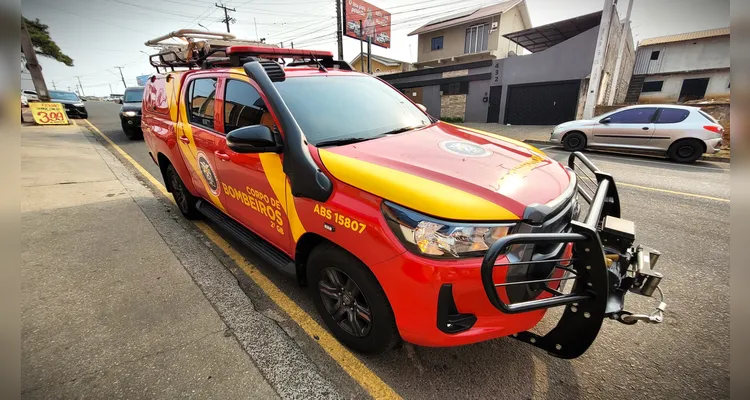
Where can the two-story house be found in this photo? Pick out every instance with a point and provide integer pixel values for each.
(683, 67)
(472, 35)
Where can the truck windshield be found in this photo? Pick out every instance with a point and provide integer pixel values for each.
(334, 109)
(60, 95)
(133, 95)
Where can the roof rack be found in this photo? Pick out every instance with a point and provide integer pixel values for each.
(189, 48)
(240, 54)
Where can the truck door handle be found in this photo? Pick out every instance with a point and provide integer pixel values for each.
(222, 156)
(185, 139)
(645, 128)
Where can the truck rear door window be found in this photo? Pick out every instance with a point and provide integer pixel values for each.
(201, 101)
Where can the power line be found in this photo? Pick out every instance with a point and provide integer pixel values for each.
(227, 19)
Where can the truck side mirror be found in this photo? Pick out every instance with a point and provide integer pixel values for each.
(253, 139)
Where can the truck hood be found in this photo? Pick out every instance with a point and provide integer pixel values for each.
(450, 172)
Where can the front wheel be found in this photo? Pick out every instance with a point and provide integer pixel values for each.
(182, 197)
(574, 141)
(132, 133)
(351, 301)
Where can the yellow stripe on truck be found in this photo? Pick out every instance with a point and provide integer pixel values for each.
(412, 191)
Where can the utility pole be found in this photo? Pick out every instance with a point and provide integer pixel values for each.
(227, 19)
(292, 44)
(80, 85)
(53, 85)
(33, 65)
(110, 89)
(620, 52)
(257, 37)
(598, 64)
(339, 33)
(125, 85)
(369, 55)
(361, 49)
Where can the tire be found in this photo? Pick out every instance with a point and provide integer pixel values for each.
(341, 283)
(685, 151)
(182, 197)
(574, 141)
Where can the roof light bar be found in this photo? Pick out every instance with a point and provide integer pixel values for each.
(275, 52)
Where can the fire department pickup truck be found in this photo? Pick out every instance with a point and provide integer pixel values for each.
(403, 227)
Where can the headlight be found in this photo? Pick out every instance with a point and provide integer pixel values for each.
(129, 113)
(78, 104)
(442, 239)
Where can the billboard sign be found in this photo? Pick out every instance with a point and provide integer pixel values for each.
(375, 23)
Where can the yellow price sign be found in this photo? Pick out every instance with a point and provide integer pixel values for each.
(48, 113)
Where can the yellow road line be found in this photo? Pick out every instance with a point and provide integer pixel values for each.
(700, 196)
(356, 369)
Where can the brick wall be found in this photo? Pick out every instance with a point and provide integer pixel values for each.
(453, 106)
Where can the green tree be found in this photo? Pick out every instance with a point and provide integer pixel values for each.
(43, 44)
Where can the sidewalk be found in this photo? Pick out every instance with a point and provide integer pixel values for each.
(108, 311)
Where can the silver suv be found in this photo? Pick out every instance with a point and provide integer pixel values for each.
(683, 133)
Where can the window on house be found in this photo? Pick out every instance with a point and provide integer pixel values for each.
(652, 86)
(201, 102)
(477, 38)
(655, 54)
(454, 88)
(437, 43)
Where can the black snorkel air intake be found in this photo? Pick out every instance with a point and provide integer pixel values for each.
(305, 177)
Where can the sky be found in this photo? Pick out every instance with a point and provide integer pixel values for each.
(102, 34)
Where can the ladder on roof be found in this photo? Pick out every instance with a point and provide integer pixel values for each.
(189, 48)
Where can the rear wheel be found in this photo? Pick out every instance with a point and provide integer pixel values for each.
(685, 151)
(183, 198)
(574, 141)
(350, 300)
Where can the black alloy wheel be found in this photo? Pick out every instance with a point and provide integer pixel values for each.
(345, 302)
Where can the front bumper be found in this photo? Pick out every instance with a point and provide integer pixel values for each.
(74, 111)
(131, 122)
(603, 265)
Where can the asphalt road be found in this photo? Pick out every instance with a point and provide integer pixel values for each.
(681, 210)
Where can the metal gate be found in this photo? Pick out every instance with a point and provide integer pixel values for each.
(493, 111)
(548, 103)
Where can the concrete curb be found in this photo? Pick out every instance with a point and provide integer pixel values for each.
(546, 143)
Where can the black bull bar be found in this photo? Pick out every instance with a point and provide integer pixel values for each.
(604, 267)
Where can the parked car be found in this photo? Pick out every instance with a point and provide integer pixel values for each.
(73, 104)
(433, 243)
(24, 100)
(682, 133)
(30, 95)
(130, 112)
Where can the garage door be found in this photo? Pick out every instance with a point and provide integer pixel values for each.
(541, 104)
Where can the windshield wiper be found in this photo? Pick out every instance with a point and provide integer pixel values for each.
(343, 141)
(404, 129)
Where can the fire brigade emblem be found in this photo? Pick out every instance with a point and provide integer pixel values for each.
(208, 173)
(464, 149)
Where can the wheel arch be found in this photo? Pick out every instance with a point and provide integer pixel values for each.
(305, 245)
(163, 161)
(688, 139)
(566, 134)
